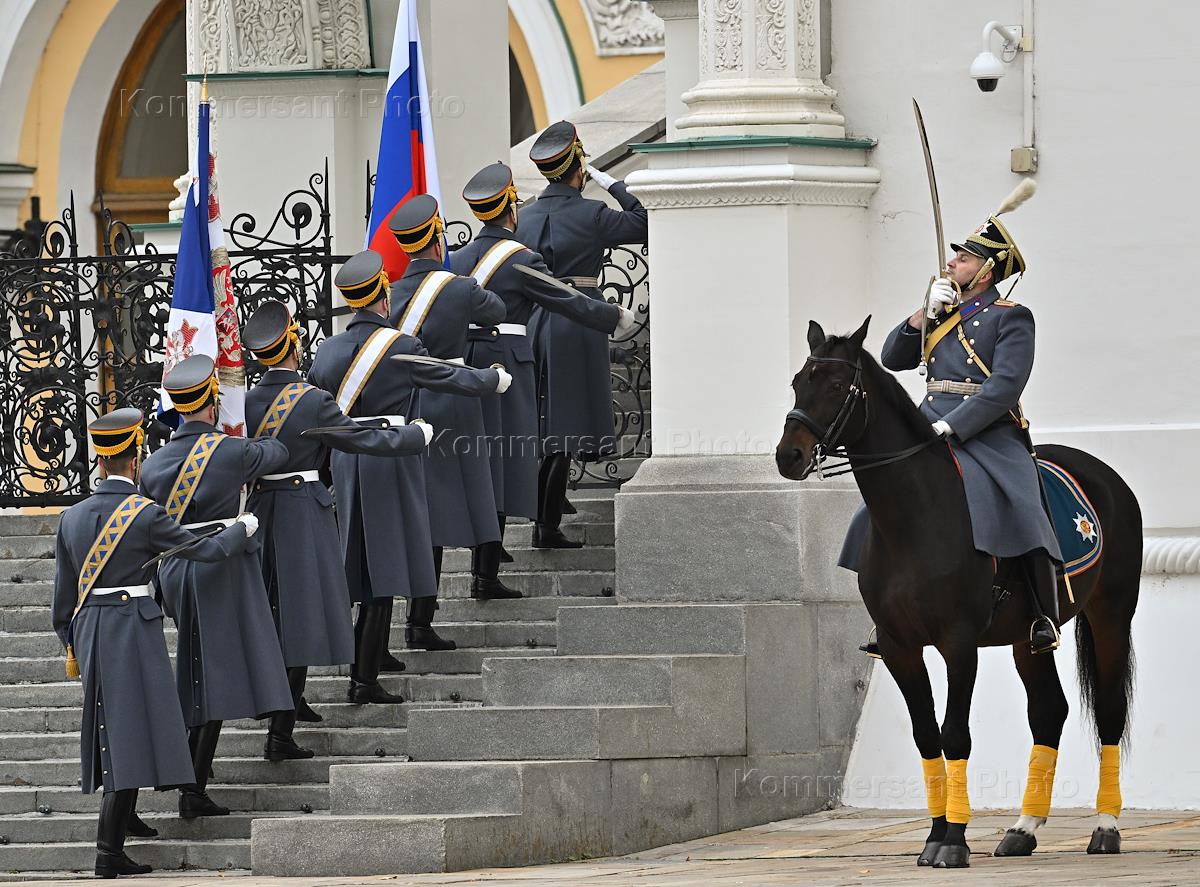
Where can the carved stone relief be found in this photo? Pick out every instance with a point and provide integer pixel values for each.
(770, 33)
(727, 35)
(623, 27)
(807, 36)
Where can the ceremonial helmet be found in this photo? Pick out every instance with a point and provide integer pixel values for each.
(557, 151)
(118, 433)
(992, 242)
(362, 280)
(491, 191)
(192, 384)
(271, 333)
(416, 223)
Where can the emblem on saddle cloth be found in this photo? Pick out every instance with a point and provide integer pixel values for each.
(1074, 518)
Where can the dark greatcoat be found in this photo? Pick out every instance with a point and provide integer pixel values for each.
(383, 518)
(228, 664)
(511, 421)
(999, 474)
(132, 735)
(571, 233)
(302, 558)
(458, 477)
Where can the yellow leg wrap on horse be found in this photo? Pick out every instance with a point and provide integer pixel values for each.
(1040, 786)
(935, 785)
(1108, 797)
(958, 805)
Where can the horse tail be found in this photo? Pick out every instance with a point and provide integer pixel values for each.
(1088, 671)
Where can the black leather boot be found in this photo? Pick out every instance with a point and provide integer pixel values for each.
(194, 800)
(1042, 577)
(871, 647)
(418, 630)
(305, 713)
(486, 584)
(111, 861)
(552, 489)
(281, 745)
(375, 625)
(134, 827)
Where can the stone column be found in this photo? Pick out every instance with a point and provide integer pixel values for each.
(681, 35)
(761, 71)
(16, 181)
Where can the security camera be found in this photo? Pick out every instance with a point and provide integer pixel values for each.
(988, 68)
(987, 71)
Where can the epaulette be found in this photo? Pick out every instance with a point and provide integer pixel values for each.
(1005, 303)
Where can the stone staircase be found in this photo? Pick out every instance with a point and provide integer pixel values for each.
(47, 825)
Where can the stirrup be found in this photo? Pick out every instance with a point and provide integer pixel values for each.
(1054, 628)
(871, 647)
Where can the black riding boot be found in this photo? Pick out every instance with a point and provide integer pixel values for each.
(871, 647)
(305, 713)
(194, 800)
(552, 488)
(134, 827)
(374, 626)
(418, 630)
(281, 745)
(485, 573)
(505, 557)
(1042, 577)
(111, 860)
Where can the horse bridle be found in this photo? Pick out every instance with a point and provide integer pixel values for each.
(827, 436)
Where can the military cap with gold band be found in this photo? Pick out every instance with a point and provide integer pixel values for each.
(557, 151)
(192, 384)
(416, 223)
(115, 433)
(271, 333)
(362, 280)
(490, 192)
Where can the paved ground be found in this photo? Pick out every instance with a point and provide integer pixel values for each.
(843, 847)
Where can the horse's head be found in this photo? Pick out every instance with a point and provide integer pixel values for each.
(828, 392)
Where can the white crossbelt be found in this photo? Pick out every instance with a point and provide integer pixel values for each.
(224, 521)
(131, 590)
(505, 329)
(308, 476)
(393, 421)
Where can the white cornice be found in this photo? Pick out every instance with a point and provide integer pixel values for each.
(784, 184)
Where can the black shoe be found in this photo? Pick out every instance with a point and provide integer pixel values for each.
(278, 749)
(871, 649)
(568, 508)
(546, 537)
(135, 828)
(505, 557)
(419, 637)
(362, 694)
(198, 803)
(1043, 636)
(113, 865)
(391, 664)
(305, 713)
(491, 590)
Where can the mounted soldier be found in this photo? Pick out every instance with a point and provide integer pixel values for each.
(228, 664)
(571, 233)
(511, 422)
(438, 307)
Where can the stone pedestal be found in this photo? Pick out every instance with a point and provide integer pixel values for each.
(16, 181)
(681, 26)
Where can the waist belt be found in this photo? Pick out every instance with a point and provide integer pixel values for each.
(504, 329)
(131, 590)
(577, 282)
(223, 521)
(943, 386)
(308, 476)
(374, 421)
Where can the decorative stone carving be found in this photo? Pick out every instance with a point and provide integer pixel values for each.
(623, 27)
(774, 184)
(727, 40)
(770, 31)
(271, 34)
(807, 36)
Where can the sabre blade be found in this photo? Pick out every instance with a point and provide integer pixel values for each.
(933, 188)
(546, 278)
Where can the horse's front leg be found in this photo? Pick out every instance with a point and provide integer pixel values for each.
(907, 667)
(962, 662)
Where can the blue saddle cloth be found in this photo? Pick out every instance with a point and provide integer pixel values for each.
(1075, 521)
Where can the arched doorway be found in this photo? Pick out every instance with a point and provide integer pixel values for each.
(143, 141)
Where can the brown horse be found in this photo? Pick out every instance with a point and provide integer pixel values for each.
(925, 584)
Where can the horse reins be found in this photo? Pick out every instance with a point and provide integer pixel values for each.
(827, 444)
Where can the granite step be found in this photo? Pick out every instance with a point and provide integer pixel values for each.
(214, 855)
(65, 771)
(243, 797)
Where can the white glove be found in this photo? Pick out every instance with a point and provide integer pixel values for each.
(941, 297)
(603, 179)
(626, 323)
(942, 428)
(250, 520)
(426, 429)
(505, 379)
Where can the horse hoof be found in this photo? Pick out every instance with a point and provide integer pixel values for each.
(1015, 843)
(952, 856)
(1105, 841)
(929, 854)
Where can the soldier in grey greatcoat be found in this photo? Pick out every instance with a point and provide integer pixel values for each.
(132, 734)
(438, 306)
(383, 517)
(979, 359)
(302, 559)
(571, 233)
(228, 664)
(511, 422)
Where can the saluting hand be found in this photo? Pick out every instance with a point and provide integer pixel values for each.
(603, 179)
(942, 297)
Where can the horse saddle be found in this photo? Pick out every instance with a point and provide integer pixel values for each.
(1075, 522)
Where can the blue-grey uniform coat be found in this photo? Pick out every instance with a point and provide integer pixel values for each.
(382, 514)
(571, 233)
(458, 477)
(1000, 476)
(511, 421)
(132, 735)
(302, 558)
(228, 664)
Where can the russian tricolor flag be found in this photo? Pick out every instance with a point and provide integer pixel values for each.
(407, 163)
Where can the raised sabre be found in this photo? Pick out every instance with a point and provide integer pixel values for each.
(546, 278)
(937, 226)
(183, 546)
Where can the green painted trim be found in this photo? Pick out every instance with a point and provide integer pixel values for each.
(553, 4)
(157, 226)
(370, 32)
(713, 143)
(290, 75)
(16, 167)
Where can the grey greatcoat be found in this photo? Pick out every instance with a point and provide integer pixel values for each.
(382, 515)
(511, 420)
(571, 233)
(458, 478)
(1000, 476)
(302, 558)
(132, 734)
(228, 664)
